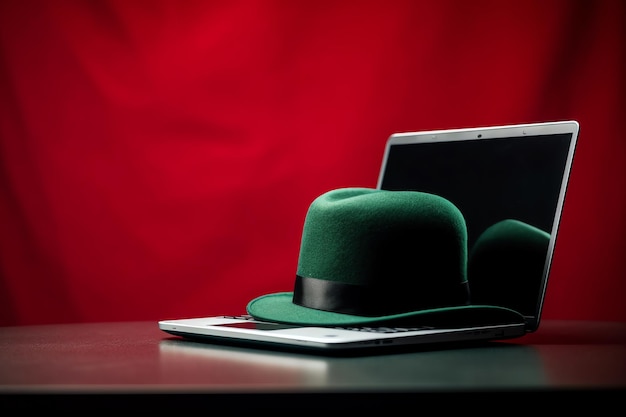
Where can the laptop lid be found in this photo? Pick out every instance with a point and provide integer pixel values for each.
(510, 183)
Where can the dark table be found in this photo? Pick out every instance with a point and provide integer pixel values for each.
(119, 366)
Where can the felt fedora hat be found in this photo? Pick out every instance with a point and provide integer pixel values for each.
(371, 256)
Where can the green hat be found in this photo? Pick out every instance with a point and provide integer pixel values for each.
(372, 256)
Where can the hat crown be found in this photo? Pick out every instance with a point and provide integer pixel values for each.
(406, 246)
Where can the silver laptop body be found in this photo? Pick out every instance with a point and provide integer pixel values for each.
(515, 175)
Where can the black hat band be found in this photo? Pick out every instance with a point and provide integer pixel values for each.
(371, 301)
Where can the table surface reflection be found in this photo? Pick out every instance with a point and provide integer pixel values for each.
(124, 358)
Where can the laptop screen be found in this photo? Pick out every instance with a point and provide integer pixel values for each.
(509, 183)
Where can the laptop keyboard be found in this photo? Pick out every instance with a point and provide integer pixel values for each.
(381, 329)
(384, 329)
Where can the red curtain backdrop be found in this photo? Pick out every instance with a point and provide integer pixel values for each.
(157, 157)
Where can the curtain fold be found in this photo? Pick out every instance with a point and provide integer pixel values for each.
(157, 158)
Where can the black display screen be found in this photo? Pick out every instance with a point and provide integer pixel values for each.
(491, 181)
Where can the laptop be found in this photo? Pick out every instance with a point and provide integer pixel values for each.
(510, 184)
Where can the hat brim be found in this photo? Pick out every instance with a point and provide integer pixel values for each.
(279, 308)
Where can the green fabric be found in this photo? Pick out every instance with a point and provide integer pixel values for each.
(359, 235)
(406, 240)
(279, 308)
